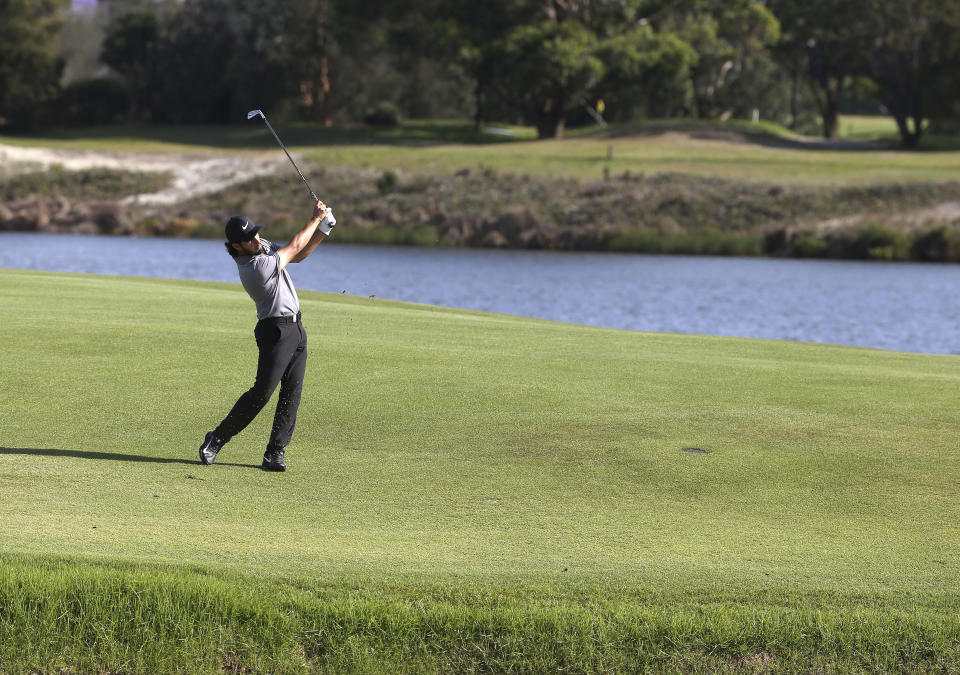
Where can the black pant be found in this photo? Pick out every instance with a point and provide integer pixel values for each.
(283, 361)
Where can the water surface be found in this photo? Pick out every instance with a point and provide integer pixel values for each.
(903, 306)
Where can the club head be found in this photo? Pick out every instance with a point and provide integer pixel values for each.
(254, 113)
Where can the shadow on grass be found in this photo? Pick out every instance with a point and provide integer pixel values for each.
(113, 456)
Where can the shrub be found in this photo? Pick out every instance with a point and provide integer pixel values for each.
(809, 246)
(881, 242)
(384, 114)
(387, 182)
(939, 245)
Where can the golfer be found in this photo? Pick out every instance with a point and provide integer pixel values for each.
(279, 332)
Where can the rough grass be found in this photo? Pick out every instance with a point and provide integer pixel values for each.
(68, 615)
(92, 184)
(466, 492)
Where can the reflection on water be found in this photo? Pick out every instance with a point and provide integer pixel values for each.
(902, 306)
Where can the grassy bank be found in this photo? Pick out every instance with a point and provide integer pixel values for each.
(465, 491)
(63, 614)
(665, 213)
(662, 213)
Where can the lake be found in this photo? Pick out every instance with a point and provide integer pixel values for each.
(901, 306)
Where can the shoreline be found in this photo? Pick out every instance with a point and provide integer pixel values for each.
(875, 242)
(661, 213)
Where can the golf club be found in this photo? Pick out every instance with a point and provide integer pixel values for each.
(328, 219)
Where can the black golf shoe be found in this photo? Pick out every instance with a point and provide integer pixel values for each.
(273, 460)
(211, 446)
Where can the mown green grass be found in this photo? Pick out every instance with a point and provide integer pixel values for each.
(867, 127)
(733, 150)
(465, 491)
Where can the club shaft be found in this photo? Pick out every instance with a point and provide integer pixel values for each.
(312, 193)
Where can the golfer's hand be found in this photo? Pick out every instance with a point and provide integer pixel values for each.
(325, 215)
(319, 210)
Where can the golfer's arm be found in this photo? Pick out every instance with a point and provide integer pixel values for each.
(300, 240)
(315, 240)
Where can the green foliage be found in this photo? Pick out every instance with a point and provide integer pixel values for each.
(129, 47)
(201, 45)
(881, 242)
(914, 61)
(545, 69)
(208, 61)
(728, 37)
(829, 44)
(94, 101)
(648, 74)
(29, 68)
(809, 246)
(384, 114)
(941, 244)
(872, 241)
(387, 182)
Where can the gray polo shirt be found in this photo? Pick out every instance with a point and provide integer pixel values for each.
(269, 286)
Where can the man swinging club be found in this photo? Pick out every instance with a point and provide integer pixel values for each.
(279, 332)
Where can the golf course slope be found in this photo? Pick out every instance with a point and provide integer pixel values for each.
(466, 492)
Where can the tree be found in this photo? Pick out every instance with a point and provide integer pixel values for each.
(545, 69)
(832, 38)
(129, 48)
(729, 37)
(198, 48)
(30, 69)
(646, 70)
(297, 33)
(914, 61)
(468, 34)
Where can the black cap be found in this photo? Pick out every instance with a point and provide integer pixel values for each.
(241, 228)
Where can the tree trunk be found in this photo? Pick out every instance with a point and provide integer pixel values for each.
(909, 139)
(478, 110)
(831, 118)
(320, 105)
(550, 117)
(326, 118)
(827, 93)
(133, 109)
(550, 126)
(794, 97)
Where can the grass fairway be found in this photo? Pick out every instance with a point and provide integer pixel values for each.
(466, 492)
